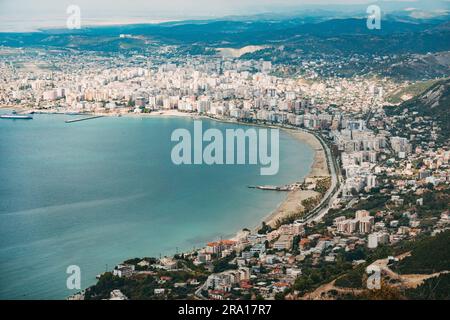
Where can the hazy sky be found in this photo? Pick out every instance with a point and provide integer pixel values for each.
(20, 15)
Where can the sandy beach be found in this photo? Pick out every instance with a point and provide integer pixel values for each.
(162, 113)
(16, 108)
(319, 169)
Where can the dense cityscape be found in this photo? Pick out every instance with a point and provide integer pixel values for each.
(379, 205)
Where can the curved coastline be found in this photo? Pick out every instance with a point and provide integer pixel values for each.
(319, 169)
(292, 202)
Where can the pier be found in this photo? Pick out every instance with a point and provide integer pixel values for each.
(274, 188)
(82, 119)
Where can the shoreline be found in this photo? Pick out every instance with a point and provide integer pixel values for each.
(291, 204)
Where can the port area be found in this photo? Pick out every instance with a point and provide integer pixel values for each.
(83, 119)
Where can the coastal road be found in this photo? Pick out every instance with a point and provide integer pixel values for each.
(336, 184)
(198, 292)
(336, 179)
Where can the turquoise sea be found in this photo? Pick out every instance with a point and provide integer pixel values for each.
(97, 192)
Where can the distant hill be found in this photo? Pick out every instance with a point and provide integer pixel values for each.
(415, 50)
(409, 92)
(346, 36)
(236, 53)
(421, 66)
(437, 288)
(435, 103)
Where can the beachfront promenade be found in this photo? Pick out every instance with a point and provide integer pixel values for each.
(330, 196)
(333, 191)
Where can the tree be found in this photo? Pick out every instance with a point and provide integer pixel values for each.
(264, 228)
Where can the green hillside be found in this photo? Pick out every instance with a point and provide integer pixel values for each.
(428, 256)
(412, 90)
(437, 288)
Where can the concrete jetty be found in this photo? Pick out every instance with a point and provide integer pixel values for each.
(82, 119)
(273, 188)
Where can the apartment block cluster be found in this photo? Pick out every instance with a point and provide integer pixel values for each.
(253, 253)
(215, 86)
(360, 151)
(362, 223)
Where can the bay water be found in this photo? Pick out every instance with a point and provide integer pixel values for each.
(97, 192)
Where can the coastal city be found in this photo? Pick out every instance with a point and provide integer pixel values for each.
(349, 199)
(375, 184)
